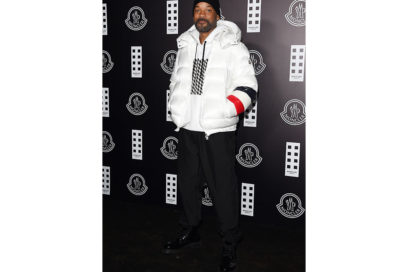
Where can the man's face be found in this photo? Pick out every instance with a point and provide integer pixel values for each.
(205, 17)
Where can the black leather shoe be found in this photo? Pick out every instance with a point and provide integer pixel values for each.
(187, 238)
(229, 257)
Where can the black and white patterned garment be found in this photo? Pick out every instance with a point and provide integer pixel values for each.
(199, 67)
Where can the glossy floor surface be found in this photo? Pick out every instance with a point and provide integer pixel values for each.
(134, 233)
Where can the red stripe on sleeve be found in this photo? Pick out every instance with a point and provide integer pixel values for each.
(238, 104)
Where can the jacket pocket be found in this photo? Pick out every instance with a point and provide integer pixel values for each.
(229, 109)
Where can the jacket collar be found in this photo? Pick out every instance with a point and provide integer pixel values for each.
(226, 33)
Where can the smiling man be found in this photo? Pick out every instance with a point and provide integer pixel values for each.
(212, 83)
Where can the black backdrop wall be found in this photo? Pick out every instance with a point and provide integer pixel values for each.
(139, 141)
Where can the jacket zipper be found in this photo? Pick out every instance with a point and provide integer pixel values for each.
(202, 100)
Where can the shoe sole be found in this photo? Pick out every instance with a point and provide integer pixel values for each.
(173, 251)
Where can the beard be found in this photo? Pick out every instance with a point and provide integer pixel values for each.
(205, 28)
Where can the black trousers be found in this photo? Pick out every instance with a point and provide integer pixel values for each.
(215, 160)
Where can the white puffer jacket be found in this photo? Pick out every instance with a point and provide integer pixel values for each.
(229, 85)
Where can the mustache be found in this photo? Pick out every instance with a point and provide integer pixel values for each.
(204, 20)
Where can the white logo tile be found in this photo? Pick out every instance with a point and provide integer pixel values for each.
(254, 16)
(247, 199)
(137, 144)
(105, 102)
(104, 19)
(136, 55)
(297, 62)
(171, 189)
(251, 115)
(292, 159)
(106, 180)
(172, 17)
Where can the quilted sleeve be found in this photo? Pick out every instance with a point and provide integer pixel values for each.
(244, 81)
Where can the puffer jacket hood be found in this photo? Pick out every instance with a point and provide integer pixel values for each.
(226, 33)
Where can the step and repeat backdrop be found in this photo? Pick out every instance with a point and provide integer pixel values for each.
(139, 141)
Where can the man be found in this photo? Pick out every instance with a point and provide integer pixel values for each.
(213, 81)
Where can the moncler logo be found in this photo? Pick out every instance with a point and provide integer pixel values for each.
(107, 62)
(290, 206)
(206, 199)
(294, 112)
(257, 61)
(169, 148)
(136, 104)
(296, 13)
(107, 142)
(137, 185)
(168, 62)
(248, 155)
(136, 19)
